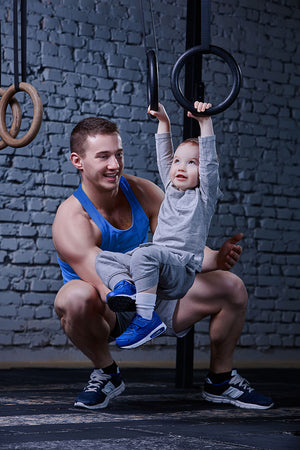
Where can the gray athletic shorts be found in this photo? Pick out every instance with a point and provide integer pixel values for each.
(148, 265)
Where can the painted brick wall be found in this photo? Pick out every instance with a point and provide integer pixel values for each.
(87, 60)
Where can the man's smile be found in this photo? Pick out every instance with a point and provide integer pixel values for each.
(111, 175)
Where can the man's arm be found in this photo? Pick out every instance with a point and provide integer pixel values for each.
(77, 239)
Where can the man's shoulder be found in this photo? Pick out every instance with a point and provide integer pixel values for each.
(69, 211)
(68, 205)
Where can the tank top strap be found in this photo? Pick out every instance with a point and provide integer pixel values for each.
(89, 207)
(133, 201)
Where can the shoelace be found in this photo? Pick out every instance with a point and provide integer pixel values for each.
(242, 382)
(95, 381)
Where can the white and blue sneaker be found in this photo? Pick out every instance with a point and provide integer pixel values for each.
(100, 389)
(122, 297)
(236, 391)
(140, 331)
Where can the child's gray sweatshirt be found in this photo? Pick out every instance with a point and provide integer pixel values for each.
(185, 216)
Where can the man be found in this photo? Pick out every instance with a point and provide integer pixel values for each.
(113, 212)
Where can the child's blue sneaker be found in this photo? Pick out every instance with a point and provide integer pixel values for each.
(122, 298)
(140, 331)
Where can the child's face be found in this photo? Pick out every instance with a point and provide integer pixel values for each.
(184, 172)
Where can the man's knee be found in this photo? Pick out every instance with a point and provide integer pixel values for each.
(77, 301)
(235, 290)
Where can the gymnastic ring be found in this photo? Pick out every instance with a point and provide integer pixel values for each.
(16, 118)
(152, 80)
(236, 74)
(36, 120)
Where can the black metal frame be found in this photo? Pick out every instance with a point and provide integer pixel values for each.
(197, 43)
(193, 88)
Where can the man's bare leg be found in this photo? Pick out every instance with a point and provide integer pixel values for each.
(223, 296)
(86, 320)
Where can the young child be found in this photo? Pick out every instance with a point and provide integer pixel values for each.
(166, 267)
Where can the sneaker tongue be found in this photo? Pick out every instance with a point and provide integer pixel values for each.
(98, 371)
(233, 372)
(98, 375)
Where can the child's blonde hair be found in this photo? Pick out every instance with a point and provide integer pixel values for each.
(194, 141)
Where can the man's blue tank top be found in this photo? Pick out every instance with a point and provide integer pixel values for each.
(113, 239)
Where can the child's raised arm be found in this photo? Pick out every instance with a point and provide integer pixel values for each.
(163, 118)
(164, 145)
(205, 122)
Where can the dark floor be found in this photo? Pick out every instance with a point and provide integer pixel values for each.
(36, 412)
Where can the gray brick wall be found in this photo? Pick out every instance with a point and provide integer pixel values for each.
(88, 59)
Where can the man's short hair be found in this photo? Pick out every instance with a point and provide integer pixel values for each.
(91, 126)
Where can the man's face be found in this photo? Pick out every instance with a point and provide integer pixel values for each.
(103, 161)
(184, 172)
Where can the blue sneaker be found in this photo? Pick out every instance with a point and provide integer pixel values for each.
(140, 331)
(236, 391)
(100, 389)
(122, 298)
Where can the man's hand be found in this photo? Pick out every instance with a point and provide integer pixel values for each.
(103, 293)
(229, 253)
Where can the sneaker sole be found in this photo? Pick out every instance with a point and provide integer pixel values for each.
(121, 303)
(104, 404)
(221, 399)
(153, 334)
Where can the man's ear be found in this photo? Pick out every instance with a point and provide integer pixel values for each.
(76, 160)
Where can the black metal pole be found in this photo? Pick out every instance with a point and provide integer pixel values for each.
(194, 89)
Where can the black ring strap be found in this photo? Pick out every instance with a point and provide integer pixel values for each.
(152, 66)
(23, 6)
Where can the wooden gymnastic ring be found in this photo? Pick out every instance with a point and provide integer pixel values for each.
(36, 120)
(16, 117)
